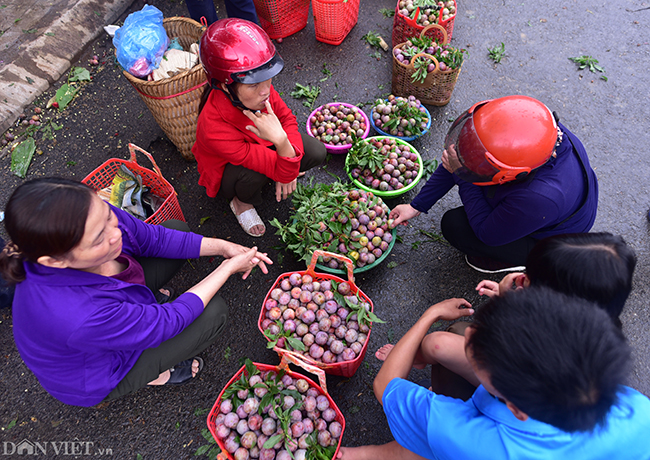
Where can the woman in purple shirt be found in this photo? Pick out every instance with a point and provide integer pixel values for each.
(521, 176)
(85, 318)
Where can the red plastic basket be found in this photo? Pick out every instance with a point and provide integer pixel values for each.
(281, 18)
(212, 416)
(103, 176)
(405, 27)
(344, 368)
(333, 19)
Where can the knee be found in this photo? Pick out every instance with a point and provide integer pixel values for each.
(454, 222)
(436, 343)
(216, 312)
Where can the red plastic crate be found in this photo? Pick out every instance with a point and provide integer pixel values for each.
(212, 416)
(345, 368)
(333, 19)
(281, 18)
(103, 176)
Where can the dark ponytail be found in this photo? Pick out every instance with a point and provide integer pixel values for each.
(43, 217)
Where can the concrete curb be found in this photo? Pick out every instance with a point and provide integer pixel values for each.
(36, 63)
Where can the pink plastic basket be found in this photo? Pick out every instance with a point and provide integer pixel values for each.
(339, 149)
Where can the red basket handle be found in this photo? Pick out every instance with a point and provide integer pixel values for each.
(299, 360)
(436, 26)
(413, 22)
(318, 253)
(134, 148)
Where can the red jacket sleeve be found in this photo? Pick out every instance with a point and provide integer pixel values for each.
(222, 138)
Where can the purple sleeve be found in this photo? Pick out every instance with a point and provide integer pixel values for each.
(518, 215)
(440, 182)
(130, 326)
(145, 240)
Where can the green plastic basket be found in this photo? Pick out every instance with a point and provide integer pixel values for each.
(389, 193)
(365, 268)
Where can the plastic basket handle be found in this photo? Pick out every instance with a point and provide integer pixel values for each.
(294, 358)
(413, 22)
(134, 148)
(318, 253)
(436, 26)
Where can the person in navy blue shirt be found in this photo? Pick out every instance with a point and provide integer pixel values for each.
(551, 370)
(521, 176)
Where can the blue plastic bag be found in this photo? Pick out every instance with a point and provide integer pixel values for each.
(141, 42)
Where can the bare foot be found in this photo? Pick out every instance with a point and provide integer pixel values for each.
(164, 377)
(241, 207)
(384, 351)
(352, 453)
(301, 173)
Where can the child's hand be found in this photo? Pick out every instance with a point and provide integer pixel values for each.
(488, 287)
(511, 280)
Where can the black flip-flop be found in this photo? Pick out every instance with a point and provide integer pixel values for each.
(163, 298)
(182, 372)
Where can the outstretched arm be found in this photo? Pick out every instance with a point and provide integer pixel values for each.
(400, 360)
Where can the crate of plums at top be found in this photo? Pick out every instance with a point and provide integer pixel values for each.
(336, 124)
(319, 318)
(272, 413)
(338, 218)
(412, 16)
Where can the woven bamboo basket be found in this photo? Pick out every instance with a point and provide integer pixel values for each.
(174, 101)
(437, 86)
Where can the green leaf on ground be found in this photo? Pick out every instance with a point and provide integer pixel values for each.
(64, 95)
(11, 424)
(30, 31)
(49, 34)
(497, 52)
(22, 156)
(29, 80)
(200, 411)
(204, 219)
(387, 12)
(79, 74)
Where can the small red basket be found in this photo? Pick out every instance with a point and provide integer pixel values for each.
(281, 18)
(103, 176)
(333, 19)
(405, 27)
(344, 368)
(283, 366)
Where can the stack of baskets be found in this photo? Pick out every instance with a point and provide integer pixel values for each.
(437, 87)
(174, 101)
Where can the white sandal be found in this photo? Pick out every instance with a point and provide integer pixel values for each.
(248, 219)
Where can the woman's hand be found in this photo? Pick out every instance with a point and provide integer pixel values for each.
(450, 159)
(402, 213)
(233, 250)
(246, 261)
(267, 125)
(282, 191)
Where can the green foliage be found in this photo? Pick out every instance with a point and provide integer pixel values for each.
(387, 12)
(22, 156)
(211, 449)
(588, 61)
(308, 92)
(372, 39)
(404, 111)
(364, 155)
(497, 52)
(290, 343)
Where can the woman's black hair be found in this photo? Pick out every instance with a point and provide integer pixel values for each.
(43, 217)
(593, 266)
(555, 357)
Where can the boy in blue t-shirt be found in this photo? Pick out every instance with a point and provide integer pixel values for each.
(551, 369)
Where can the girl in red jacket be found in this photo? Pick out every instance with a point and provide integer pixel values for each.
(246, 135)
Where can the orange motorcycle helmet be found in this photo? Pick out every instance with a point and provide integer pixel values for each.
(501, 140)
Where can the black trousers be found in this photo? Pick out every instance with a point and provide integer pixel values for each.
(247, 185)
(195, 338)
(456, 229)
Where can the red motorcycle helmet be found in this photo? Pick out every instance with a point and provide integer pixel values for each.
(504, 139)
(238, 51)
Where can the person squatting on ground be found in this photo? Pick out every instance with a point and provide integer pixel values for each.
(521, 176)
(551, 370)
(242, 9)
(85, 318)
(597, 267)
(246, 135)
